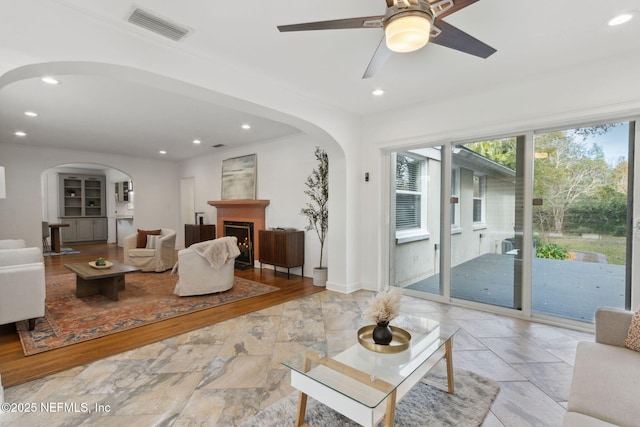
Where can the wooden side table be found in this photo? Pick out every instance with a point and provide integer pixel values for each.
(56, 244)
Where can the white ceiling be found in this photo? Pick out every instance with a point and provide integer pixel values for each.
(113, 116)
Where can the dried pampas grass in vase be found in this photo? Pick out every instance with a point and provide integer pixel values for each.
(382, 309)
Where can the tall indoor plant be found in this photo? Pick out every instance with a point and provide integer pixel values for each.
(316, 210)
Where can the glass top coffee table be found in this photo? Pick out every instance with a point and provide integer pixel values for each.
(365, 385)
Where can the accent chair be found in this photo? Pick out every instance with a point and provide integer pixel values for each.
(207, 267)
(150, 250)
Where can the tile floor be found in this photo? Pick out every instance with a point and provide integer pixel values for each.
(223, 374)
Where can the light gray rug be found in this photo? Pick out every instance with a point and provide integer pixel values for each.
(424, 405)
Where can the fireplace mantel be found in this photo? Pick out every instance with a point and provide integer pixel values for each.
(242, 211)
(239, 203)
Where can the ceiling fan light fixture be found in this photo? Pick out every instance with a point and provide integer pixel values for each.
(407, 32)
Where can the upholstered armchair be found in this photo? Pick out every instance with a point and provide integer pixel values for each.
(150, 250)
(22, 285)
(207, 267)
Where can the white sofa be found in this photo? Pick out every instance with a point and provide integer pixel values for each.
(22, 283)
(158, 258)
(206, 267)
(606, 376)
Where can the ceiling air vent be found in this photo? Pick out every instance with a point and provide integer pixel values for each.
(158, 25)
(218, 145)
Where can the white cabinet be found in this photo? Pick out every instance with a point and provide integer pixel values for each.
(122, 191)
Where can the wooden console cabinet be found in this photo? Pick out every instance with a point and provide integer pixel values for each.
(282, 249)
(195, 233)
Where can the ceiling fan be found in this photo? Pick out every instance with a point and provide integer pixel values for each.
(408, 26)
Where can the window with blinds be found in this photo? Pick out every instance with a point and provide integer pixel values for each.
(409, 171)
(479, 183)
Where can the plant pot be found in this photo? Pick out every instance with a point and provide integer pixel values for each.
(320, 276)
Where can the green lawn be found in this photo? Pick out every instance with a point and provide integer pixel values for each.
(614, 248)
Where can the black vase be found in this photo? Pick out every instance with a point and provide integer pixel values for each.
(382, 334)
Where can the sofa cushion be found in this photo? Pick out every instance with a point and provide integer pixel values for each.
(633, 336)
(12, 244)
(605, 383)
(142, 253)
(20, 256)
(141, 241)
(575, 419)
(152, 241)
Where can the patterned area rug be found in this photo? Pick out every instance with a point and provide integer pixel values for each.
(423, 406)
(148, 298)
(62, 252)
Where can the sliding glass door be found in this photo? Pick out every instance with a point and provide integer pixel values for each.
(538, 222)
(580, 220)
(487, 218)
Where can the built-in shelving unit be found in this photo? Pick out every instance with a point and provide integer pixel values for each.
(83, 207)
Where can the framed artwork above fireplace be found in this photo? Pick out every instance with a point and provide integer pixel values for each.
(239, 178)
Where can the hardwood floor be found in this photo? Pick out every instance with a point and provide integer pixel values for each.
(17, 368)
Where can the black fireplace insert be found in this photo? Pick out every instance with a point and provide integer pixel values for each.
(243, 231)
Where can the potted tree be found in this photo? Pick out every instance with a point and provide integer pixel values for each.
(316, 210)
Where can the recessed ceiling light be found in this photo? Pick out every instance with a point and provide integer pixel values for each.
(621, 19)
(50, 80)
(19, 133)
(196, 141)
(31, 113)
(246, 126)
(162, 152)
(377, 92)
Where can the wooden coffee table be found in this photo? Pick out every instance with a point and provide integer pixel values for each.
(106, 281)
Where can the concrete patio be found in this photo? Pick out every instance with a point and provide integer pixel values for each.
(569, 289)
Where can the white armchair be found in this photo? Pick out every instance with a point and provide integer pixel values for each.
(156, 255)
(207, 267)
(22, 283)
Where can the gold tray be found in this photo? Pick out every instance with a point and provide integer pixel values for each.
(400, 341)
(108, 264)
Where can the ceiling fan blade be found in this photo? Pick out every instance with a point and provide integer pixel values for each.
(457, 5)
(381, 55)
(337, 24)
(454, 38)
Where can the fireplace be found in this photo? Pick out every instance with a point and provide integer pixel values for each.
(243, 231)
(242, 211)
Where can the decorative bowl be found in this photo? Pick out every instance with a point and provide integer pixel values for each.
(107, 264)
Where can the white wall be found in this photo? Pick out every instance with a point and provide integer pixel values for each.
(282, 169)
(21, 212)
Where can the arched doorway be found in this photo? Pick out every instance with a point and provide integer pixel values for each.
(94, 202)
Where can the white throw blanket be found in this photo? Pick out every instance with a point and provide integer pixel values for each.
(217, 251)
